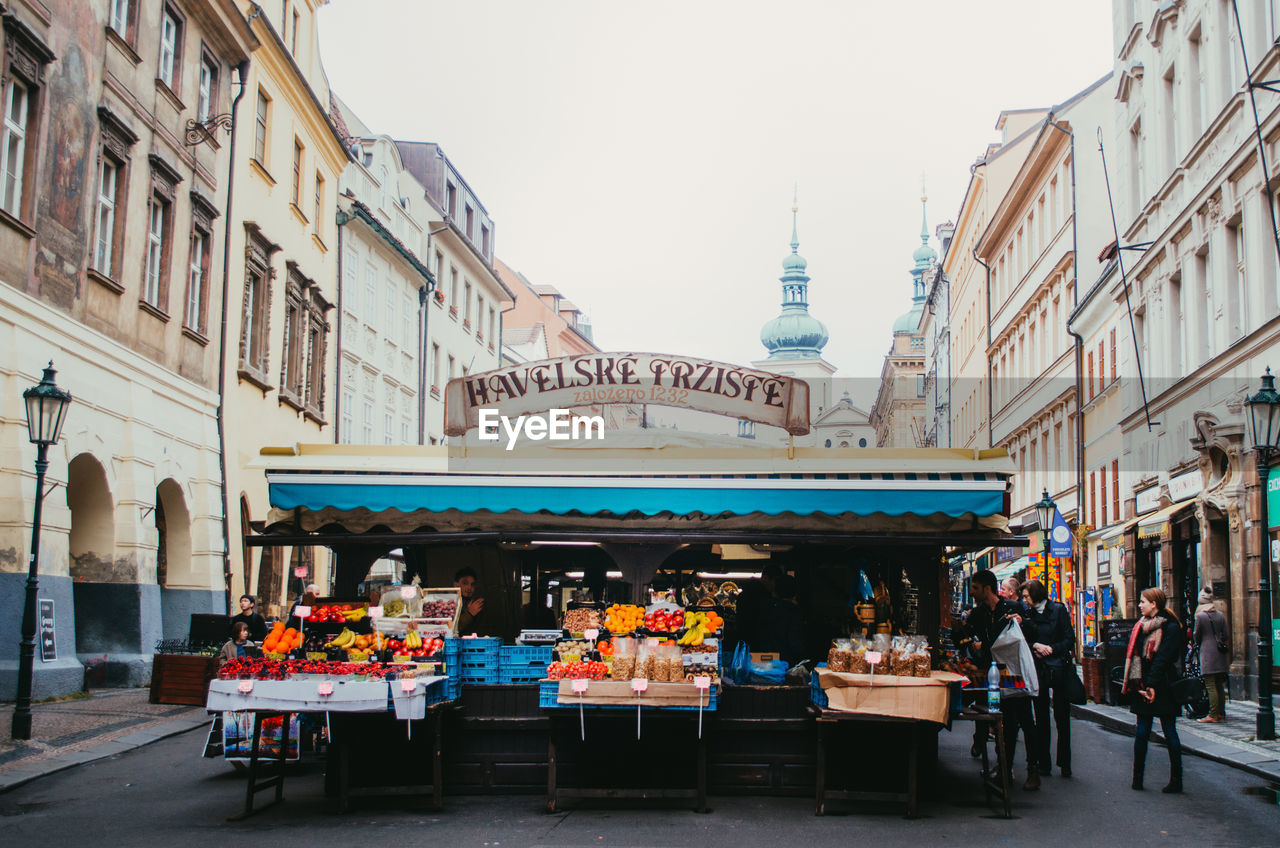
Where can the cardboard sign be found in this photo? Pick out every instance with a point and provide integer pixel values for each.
(591, 633)
(300, 571)
(302, 612)
(244, 687)
(764, 658)
(408, 685)
(324, 687)
(873, 657)
(375, 612)
(639, 684)
(580, 685)
(702, 681)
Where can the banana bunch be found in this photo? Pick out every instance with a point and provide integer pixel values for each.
(355, 614)
(696, 628)
(345, 639)
(413, 640)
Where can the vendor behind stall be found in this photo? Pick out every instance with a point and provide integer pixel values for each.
(473, 620)
(783, 629)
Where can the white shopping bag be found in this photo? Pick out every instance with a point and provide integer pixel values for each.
(1012, 651)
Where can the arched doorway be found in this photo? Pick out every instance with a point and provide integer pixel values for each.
(95, 571)
(181, 591)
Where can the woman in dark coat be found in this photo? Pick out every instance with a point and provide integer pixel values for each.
(1047, 626)
(1210, 631)
(1150, 669)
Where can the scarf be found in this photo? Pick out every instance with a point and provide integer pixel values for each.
(1144, 641)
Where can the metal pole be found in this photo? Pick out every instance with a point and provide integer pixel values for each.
(27, 654)
(1266, 716)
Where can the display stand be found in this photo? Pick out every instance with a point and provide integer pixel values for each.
(254, 785)
(828, 719)
(340, 758)
(620, 722)
(1000, 782)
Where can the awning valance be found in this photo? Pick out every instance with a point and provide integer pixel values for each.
(1157, 523)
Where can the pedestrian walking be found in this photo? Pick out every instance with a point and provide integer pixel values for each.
(1150, 669)
(1211, 640)
(1047, 626)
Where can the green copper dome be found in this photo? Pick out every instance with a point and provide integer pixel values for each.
(795, 334)
(923, 256)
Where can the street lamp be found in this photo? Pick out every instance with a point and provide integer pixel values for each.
(46, 409)
(1264, 432)
(1044, 511)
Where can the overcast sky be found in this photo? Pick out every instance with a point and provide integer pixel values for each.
(641, 156)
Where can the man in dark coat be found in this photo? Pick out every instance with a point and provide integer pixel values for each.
(1047, 626)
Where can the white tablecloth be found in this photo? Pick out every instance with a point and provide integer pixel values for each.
(300, 695)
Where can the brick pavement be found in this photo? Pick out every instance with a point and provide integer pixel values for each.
(68, 733)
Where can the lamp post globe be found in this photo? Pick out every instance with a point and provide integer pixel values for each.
(1264, 433)
(1044, 512)
(46, 410)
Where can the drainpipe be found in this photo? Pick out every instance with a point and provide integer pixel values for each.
(242, 70)
(341, 219)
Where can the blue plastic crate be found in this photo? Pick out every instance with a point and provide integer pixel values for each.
(816, 694)
(486, 645)
(524, 655)
(549, 694)
(510, 676)
(484, 676)
(453, 688)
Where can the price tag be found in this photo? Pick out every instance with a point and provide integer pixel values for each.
(873, 657)
(592, 633)
(244, 687)
(639, 684)
(702, 681)
(580, 685)
(300, 571)
(302, 612)
(408, 685)
(408, 593)
(325, 687)
(375, 612)
(651, 642)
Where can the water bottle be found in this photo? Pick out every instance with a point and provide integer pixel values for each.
(993, 689)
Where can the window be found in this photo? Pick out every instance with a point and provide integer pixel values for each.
(367, 423)
(404, 433)
(435, 366)
(370, 293)
(119, 17)
(1113, 353)
(1237, 290)
(1115, 489)
(1102, 484)
(451, 200)
(484, 240)
(406, 324)
(386, 428)
(1102, 367)
(293, 41)
(317, 217)
(493, 326)
(208, 89)
(260, 129)
(293, 353)
(453, 291)
(1093, 496)
(470, 222)
(1089, 381)
(453, 367)
(466, 316)
(389, 327)
(297, 174)
(256, 308)
(348, 418)
(317, 348)
(197, 278)
(170, 49)
(13, 148)
(105, 218)
(479, 316)
(155, 251)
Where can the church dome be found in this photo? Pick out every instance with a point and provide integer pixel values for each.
(909, 322)
(795, 332)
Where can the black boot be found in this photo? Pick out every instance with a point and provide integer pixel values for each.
(1139, 766)
(1175, 777)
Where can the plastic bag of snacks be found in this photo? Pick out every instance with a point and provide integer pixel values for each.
(858, 656)
(923, 660)
(624, 658)
(838, 658)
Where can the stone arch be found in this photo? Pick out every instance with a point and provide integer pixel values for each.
(174, 567)
(92, 540)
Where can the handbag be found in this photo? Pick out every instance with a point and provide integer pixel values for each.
(1189, 691)
(1217, 637)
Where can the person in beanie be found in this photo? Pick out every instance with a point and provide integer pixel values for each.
(1211, 640)
(1150, 669)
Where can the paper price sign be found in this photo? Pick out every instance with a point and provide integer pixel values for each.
(591, 633)
(375, 612)
(702, 681)
(580, 685)
(651, 642)
(325, 687)
(408, 686)
(873, 657)
(302, 612)
(639, 684)
(408, 593)
(244, 687)
(300, 571)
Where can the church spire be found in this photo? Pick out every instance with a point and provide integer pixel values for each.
(795, 334)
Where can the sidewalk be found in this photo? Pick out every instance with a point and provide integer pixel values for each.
(1231, 743)
(70, 733)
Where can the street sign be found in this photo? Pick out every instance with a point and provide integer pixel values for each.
(48, 642)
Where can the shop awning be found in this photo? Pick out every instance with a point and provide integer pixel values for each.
(1114, 537)
(1157, 523)
(364, 489)
(1011, 567)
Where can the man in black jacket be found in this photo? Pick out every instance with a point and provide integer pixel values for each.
(1047, 626)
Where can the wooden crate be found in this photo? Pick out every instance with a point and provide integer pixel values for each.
(182, 678)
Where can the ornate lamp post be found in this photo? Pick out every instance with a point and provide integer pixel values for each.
(1264, 432)
(46, 409)
(1044, 511)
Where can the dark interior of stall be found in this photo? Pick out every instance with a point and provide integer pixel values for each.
(761, 738)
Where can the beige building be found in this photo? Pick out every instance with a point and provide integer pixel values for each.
(1205, 296)
(111, 240)
(280, 363)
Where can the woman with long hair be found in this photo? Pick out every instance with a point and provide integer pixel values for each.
(1150, 669)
